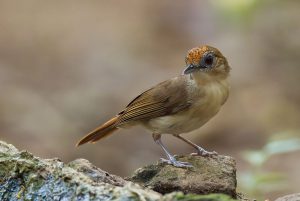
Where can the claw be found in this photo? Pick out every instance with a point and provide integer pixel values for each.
(204, 153)
(176, 163)
(172, 160)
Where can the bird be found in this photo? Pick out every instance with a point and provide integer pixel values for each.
(178, 105)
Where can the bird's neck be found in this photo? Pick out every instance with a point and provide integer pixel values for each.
(203, 78)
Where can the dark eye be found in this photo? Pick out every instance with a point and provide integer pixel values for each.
(208, 60)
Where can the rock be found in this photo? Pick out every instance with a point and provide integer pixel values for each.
(27, 177)
(241, 197)
(96, 174)
(192, 197)
(292, 197)
(208, 175)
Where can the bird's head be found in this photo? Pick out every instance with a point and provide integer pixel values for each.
(206, 60)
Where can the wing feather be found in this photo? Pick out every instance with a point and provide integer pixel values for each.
(164, 99)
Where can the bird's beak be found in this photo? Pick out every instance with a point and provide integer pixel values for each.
(189, 69)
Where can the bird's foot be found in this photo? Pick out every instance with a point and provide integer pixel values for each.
(204, 153)
(176, 163)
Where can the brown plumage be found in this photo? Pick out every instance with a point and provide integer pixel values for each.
(100, 132)
(148, 105)
(178, 105)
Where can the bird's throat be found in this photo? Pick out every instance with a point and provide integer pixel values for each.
(203, 78)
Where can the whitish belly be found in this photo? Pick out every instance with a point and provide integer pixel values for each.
(183, 122)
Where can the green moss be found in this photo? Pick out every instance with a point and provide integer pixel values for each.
(26, 177)
(210, 197)
(147, 174)
(168, 175)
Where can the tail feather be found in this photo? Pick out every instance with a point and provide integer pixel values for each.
(104, 130)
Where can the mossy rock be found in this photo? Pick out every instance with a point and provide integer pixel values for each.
(208, 175)
(210, 197)
(24, 176)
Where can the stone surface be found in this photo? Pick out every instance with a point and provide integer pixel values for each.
(292, 197)
(26, 177)
(96, 174)
(208, 175)
(192, 197)
(240, 196)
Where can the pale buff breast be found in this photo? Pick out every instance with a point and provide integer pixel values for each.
(206, 101)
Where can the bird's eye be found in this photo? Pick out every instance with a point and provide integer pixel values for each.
(207, 60)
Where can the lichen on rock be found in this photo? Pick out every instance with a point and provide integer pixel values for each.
(27, 177)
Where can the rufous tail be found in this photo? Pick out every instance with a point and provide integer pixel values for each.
(102, 131)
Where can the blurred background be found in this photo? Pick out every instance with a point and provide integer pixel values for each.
(67, 66)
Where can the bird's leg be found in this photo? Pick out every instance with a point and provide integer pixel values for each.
(172, 160)
(200, 150)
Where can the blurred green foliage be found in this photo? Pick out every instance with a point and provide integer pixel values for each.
(257, 181)
(236, 10)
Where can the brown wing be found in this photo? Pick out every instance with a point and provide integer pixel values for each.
(164, 99)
